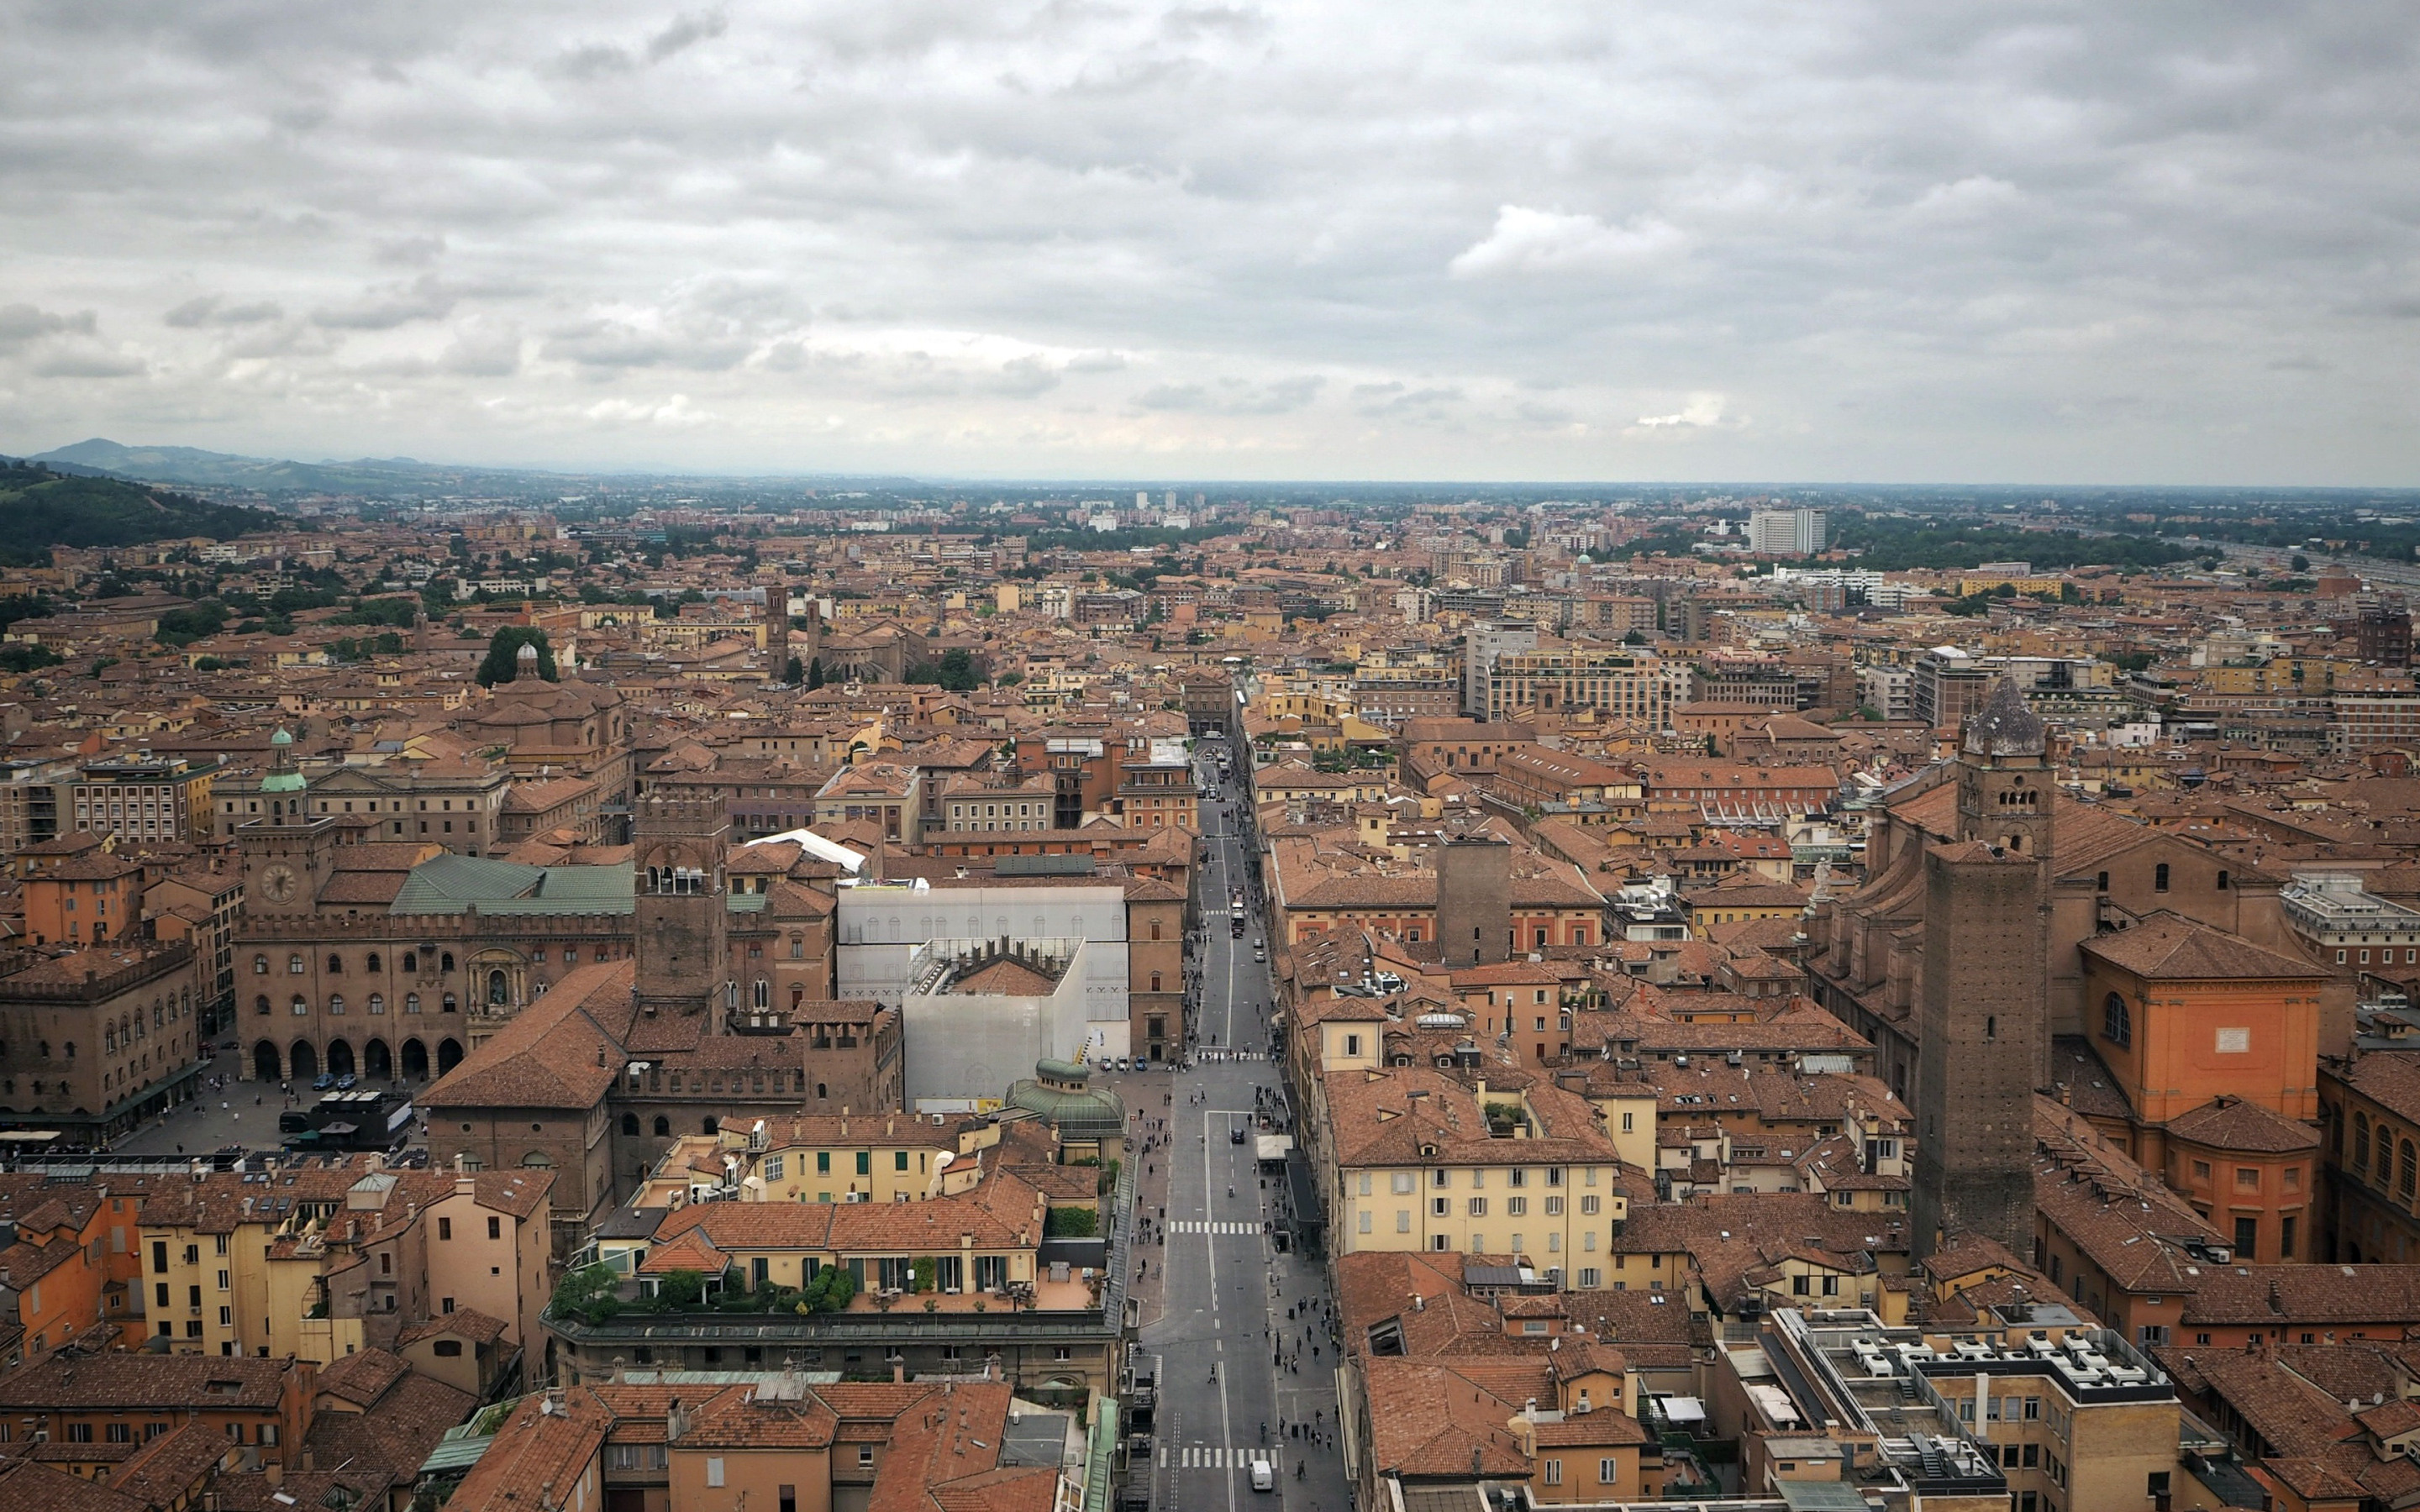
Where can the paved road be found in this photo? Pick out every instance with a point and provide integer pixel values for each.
(1225, 1292)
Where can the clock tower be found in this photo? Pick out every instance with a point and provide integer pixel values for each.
(284, 849)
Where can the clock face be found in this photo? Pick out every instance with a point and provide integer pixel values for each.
(278, 882)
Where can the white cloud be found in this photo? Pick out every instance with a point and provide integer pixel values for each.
(1546, 241)
(1701, 411)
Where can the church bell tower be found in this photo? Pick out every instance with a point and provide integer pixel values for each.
(1982, 1015)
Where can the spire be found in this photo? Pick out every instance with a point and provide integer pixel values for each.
(2003, 725)
(283, 776)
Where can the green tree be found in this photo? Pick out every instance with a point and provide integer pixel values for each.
(2300, 562)
(502, 662)
(679, 1289)
(27, 656)
(792, 673)
(814, 674)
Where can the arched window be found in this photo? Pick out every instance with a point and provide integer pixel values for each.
(536, 1161)
(335, 1002)
(260, 1003)
(764, 993)
(412, 1002)
(496, 995)
(377, 1003)
(411, 961)
(335, 964)
(450, 1006)
(821, 1091)
(261, 965)
(301, 1007)
(797, 948)
(445, 962)
(294, 965)
(630, 1125)
(1155, 981)
(2361, 1141)
(2116, 1023)
(663, 1127)
(2160, 877)
(710, 1124)
(2406, 1166)
(372, 963)
(2407, 1162)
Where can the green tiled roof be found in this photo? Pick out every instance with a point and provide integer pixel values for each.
(452, 884)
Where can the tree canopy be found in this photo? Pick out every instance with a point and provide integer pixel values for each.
(502, 663)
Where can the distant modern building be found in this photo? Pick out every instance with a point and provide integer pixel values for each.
(1786, 532)
(1483, 644)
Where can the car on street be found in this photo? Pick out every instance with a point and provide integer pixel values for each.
(1234, 1134)
(322, 1082)
(1265, 1476)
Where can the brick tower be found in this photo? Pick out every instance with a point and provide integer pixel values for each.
(777, 628)
(684, 956)
(1982, 1012)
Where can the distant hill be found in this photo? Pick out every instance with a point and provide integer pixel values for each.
(195, 468)
(41, 508)
(377, 476)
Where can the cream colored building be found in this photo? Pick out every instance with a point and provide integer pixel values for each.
(1428, 1159)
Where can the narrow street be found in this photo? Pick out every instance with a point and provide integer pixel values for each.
(1239, 1378)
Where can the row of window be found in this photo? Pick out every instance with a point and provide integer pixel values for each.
(1402, 1182)
(2403, 1159)
(301, 1007)
(374, 964)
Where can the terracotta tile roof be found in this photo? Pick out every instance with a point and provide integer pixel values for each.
(2310, 1296)
(1435, 1420)
(2390, 1078)
(2166, 947)
(537, 1448)
(551, 1055)
(2233, 1124)
(39, 1487)
(1376, 1119)
(775, 1415)
(70, 1381)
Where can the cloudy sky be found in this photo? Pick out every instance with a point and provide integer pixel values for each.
(2144, 242)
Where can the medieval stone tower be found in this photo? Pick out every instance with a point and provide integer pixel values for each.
(1474, 904)
(777, 628)
(684, 956)
(1982, 1012)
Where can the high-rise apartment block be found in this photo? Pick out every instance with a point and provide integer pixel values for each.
(1782, 532)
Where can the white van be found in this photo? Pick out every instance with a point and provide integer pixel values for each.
(1265, 1476)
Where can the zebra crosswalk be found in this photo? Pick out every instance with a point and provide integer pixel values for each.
(1197, 1225)
(1210, 1457)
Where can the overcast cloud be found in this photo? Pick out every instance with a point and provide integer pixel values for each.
(2057, 243)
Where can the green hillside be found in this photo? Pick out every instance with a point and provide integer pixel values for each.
(40, 509)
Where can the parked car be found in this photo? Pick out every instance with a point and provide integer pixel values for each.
(322, 1082)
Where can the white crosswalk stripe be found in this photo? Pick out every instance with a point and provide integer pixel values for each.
(1197, 1225)
(1214, 1457)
